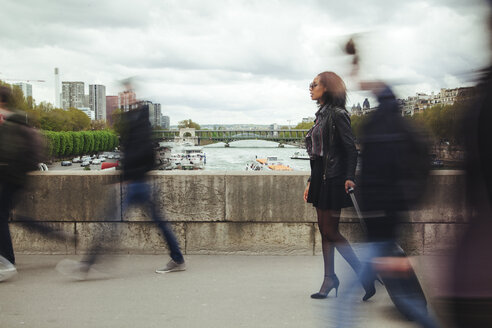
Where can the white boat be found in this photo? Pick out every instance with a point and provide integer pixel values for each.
(301, 154)
(190, 158)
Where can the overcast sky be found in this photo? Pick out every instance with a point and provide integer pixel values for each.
(240, 61)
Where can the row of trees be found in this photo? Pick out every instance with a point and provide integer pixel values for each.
(45, 116)
(440, 122)
(443, 122)
(64, 144)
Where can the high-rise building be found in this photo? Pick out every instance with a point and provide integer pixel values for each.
(26, 89)
(165, 122)
(57, 88)
(157, 115)
(111, 105)
(97, 101)
(126, 99)
(151, 110)
(89, 112)
(72, 95)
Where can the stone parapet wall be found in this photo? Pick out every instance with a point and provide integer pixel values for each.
(213, 213)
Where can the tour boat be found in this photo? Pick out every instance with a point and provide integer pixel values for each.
(190, 158)
(273, 163)
(302, 154)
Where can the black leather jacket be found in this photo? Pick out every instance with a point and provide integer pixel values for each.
(340, 154)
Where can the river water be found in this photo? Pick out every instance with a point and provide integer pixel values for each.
(239, 153)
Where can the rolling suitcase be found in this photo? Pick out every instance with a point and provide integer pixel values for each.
(405, 292)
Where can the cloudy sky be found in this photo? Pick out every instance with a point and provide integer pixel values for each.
(220, 61)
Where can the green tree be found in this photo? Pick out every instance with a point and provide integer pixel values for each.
(97, 141)
(188, 124)
(78, 143)
(117, 117)
(50, 143)
(304, 126)
(17, 101)
(357, 122)
(77, 120)
(44, 107)
(56, 139)
(54, 120)
(64, 144)
(88, 142)
(98, 125)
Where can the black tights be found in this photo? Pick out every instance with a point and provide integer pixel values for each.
(331, 238)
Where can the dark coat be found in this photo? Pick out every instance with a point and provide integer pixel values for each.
(136, 140)
(395, 162)
(340, 154)
(21, 149)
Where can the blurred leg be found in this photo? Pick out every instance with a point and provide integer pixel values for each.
(7, 192)
(168, 234)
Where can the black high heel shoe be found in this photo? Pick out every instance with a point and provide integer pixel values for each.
(335, 284)
(370, 288)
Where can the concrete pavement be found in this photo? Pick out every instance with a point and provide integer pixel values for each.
(214, 291)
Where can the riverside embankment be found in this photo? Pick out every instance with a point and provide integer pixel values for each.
(259, 213)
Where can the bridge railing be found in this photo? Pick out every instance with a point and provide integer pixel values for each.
(239, 134)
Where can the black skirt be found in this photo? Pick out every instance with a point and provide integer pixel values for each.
(327, 194)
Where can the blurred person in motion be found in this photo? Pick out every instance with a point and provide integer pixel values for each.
(20, 152)
(330, 145)
(470, 304)
(394, 171)
(138, 159)
(395, 166)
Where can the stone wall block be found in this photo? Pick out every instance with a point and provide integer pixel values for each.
(27, 240)
(444, 199)
(442, 237)
(411, 238)
(249, 238)
(125, 237)
(89, 196)
(267, 197)
(185, 197)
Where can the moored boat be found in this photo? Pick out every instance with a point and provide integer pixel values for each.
(301, 154)
(273, 163)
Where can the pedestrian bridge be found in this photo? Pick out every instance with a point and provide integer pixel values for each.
(227, 136)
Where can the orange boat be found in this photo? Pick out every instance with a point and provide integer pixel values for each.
(279, 167)
(273, 164)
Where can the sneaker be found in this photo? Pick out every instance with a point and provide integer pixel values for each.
(172, 266)
(7, 269)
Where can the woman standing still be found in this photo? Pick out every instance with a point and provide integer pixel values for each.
(330, 145)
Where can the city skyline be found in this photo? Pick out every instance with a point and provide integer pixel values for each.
(246, 62)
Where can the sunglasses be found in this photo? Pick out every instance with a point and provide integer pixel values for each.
(312, 85)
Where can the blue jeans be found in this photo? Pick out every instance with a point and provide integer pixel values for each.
(139, 194)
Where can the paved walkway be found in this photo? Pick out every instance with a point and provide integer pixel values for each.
(215, 291)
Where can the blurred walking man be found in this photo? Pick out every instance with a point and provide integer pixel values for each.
(17, 157)
(138, 160)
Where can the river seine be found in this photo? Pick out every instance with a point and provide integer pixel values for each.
(239, 153)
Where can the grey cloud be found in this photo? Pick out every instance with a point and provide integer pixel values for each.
(231, 56)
